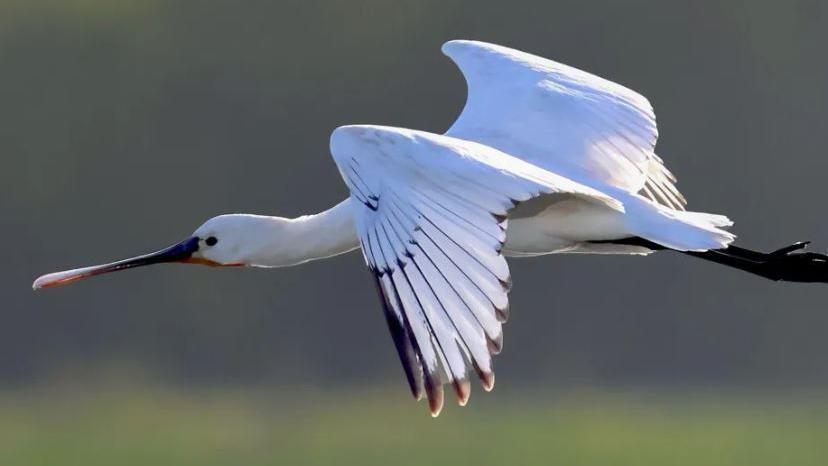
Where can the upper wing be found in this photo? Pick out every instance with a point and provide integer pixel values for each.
(561, 118)
(431, 221)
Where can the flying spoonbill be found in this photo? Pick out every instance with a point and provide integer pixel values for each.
(562, 157)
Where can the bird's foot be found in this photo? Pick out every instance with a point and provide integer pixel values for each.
(792, 264)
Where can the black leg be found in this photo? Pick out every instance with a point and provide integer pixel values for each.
(790, 264)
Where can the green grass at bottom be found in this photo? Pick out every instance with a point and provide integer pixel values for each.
(251, 428)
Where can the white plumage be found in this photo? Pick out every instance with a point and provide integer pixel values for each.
(560, 118)
(543, 159)
(432, 211)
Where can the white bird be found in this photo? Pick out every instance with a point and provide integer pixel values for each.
(562, 157)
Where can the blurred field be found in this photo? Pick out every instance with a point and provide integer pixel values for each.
(167, 427)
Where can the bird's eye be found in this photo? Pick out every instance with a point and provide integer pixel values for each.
(211, 241)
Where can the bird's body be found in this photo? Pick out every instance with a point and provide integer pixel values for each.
(543, 159)
(535, 228)
(551, 226)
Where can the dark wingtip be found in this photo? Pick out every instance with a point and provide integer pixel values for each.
(402, 340)
(507, 284)
(495, 345)
(416, 391)
(487, 379)
(502, 315)
(435, 399)
(462, 388)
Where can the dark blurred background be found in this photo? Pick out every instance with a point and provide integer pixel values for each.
(124, 124)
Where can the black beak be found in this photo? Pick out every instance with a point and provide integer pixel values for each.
(181, 252)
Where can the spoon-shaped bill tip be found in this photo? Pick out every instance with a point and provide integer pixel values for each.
(181, 252)
(63, 278)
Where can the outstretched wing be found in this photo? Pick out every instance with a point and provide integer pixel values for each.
(562, 119)
(431, 221)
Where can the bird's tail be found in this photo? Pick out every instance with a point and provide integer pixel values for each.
(675, 229)
(701, 235)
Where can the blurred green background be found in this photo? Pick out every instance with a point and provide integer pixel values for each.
(126, 123)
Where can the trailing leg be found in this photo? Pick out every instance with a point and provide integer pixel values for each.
(790, 264)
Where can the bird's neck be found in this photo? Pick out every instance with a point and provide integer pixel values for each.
(311, 237)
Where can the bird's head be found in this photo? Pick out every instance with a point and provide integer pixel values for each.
(223, 241)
